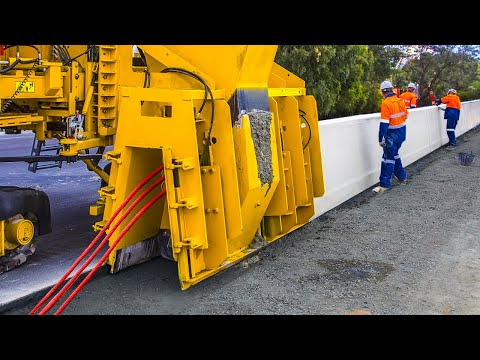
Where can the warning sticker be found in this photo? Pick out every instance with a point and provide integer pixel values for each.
(27, 87)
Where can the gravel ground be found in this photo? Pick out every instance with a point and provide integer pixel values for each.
(412, 250)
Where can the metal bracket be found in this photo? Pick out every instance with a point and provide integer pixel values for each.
(189, 203)
(184, 164)
(191, 242)
(113, 156)
(108, 191)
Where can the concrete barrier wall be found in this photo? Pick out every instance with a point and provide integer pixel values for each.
(351, 155)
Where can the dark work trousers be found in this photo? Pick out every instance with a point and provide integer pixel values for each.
(391, 162)
(452, 115)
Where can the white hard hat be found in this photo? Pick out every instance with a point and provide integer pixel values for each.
(453, 91)
(412, 85)
(386, 85)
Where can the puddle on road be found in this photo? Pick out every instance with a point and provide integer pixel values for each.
(354, 270)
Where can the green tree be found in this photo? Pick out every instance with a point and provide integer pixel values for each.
(473, 92)
(387, 59)
(340, 77)
(345, 79)
(440, 67)
(352, 67)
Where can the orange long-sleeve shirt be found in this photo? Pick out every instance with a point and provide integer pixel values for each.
(410, 99)
(452, 101)
(393, 115)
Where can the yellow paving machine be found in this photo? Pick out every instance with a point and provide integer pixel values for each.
(224, 141)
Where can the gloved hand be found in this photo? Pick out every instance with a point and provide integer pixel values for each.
(438, 102)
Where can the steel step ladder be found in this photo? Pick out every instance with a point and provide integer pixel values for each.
(39, 147)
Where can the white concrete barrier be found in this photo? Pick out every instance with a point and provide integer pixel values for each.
(351, 155)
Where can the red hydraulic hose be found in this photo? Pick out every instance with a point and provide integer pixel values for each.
(110, 249)
(97, 250)
(105, 228)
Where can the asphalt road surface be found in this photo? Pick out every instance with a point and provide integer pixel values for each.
(71, 190)
(413, 250)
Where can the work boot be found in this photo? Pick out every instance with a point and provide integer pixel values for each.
(398, 181)
(450, 147)
(379, 189)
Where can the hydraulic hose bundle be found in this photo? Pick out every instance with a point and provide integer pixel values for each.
(67, 286)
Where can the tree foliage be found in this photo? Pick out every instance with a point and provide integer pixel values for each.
(345, 79)
(473, 92)
(441, 67)
(339, 77)
(386, 58)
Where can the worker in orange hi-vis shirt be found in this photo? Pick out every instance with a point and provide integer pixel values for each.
(409, 96)
(392, 132)
(452, 115)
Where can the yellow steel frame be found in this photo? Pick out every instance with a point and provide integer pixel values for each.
(58, 92)
(20, 120)
(213, 211)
